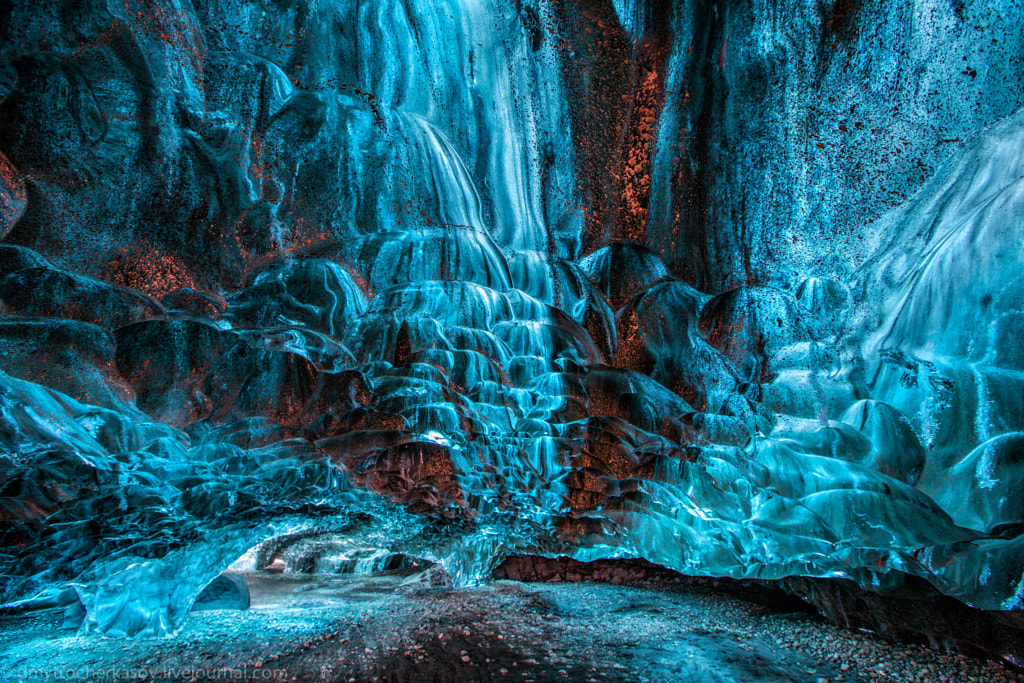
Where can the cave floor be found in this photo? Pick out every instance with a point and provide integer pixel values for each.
(371, 628)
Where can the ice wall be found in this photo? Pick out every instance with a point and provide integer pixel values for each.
(732, 288)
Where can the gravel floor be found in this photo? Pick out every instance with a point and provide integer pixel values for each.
(370, 628)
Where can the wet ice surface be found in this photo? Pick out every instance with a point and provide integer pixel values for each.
(370, 627)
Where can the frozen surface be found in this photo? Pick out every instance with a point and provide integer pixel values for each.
(334, 286)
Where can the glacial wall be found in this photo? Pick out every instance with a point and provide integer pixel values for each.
(732, 288)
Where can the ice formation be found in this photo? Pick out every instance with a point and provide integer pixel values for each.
(731, 287)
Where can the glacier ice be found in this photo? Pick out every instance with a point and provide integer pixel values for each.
(328, 286)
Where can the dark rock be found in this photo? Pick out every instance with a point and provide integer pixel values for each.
(916, 613)
(12, 195)
(74, 358)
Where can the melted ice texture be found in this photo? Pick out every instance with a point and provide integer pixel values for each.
(310, 283)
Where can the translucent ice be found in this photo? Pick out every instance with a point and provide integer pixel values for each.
(348, 286)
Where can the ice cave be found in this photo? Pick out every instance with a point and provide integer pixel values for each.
(518, 340)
